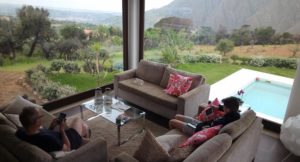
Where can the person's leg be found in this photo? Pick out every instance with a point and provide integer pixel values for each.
(176, 124)
(80, 127)
(187, 119)
(181, 126)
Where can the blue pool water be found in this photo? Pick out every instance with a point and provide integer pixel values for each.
(267, 98)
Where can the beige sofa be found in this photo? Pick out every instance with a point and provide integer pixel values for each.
(151, 96)
(236, 142)
(13, 149)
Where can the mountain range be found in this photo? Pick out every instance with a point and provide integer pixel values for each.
(282, 15)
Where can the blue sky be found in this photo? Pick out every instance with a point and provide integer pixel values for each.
(100, 5)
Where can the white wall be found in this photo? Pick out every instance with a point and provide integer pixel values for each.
(133, 33)
(293, 108)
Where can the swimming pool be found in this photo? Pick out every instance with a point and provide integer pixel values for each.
(267, 97)
(266, 94)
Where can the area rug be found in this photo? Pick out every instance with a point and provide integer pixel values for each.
(107, 130)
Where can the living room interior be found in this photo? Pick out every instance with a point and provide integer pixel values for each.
(144, 43)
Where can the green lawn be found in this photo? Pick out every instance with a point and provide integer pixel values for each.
(216, 72)
(82, 81)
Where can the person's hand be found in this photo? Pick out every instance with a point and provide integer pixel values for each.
(62, 125)
(53, 124)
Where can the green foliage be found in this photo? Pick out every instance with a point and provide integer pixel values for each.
(116, 40)
(68, 48)
(1, 60)
(118, 66)
(56, 65)
(257, 61)
(289, 63)
(264, 35)
(72, 32)
(89, 67)
(71, 67)
(45, 87)
(225, 46)
(170, 55)
(35, 25)
(205, 58)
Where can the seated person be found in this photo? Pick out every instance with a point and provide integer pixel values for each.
(48, 139)
(190, 125)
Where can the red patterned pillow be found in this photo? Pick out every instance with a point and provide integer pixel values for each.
(201, 136)
(210, 113)
(178, 84)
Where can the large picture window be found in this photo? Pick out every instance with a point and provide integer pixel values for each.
(217, 38)
(54, 49)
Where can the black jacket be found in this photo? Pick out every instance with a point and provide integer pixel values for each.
(226, 119)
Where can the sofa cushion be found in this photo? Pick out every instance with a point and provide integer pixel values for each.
(150, 151)
(197, 79)
(202, 136)
(14, 118)
(169, 142)
(17, 104)
(237, 127)
(14, 145)
(211, 150)
(178, 85)
(151, 92)
(5, 121)
(150, 71)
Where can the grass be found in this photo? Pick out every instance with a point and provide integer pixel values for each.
(82, 81)
(216, 72)
(23, 63)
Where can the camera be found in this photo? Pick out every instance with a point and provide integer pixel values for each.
(61, 117)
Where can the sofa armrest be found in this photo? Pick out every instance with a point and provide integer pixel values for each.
(211, 150)
(93, 151)
(122, 76)
(124, 157)
(189, 102)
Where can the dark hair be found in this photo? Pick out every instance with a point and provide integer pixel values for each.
(232, 103)
(28, 116)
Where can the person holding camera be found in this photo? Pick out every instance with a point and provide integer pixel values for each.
(189, 125)
(65, 139)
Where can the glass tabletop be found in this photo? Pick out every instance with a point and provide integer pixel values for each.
(116, 111)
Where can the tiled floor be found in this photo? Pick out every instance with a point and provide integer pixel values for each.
(271, 149)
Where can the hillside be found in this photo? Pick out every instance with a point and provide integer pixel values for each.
(281, 15)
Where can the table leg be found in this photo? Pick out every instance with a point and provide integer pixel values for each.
(81, 112)
(119, 135)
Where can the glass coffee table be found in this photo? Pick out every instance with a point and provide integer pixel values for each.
(117, 112)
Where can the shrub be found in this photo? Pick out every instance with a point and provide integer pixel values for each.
(257, 61)
(1, 61)
(206, 58)
(71, 67)
(89, 67)
(56, 65)
(281, 62)
(118, 66)
(45, 87)
(54, 90)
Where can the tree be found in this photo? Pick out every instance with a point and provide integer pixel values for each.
(225, 46)
(35, 25)
(221, 33)
(241, 36)
(9, 37)
(295, 50)
(68, 48)
(204, 35)
(264, 35)
(72, 32)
